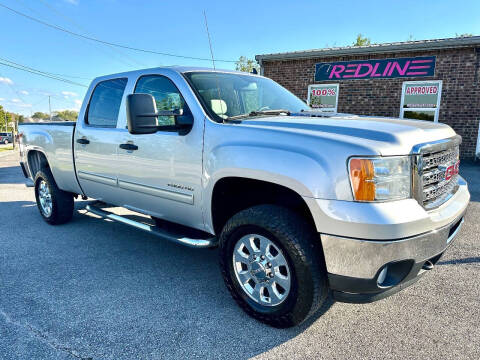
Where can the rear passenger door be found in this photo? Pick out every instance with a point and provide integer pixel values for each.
(96, 141)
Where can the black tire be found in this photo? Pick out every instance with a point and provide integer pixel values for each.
(62, 201)
(300, 245)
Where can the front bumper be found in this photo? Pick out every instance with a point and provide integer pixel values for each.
(374, 250)
(364, 271)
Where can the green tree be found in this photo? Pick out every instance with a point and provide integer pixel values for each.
(3, 120)
(463, 35)
(362, 41)
(67, 115)
(246, 65)
(40, 115)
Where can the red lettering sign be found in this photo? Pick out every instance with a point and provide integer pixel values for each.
(452, 170)
(381, 68)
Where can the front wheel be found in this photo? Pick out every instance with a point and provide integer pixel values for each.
(5, 142)
(273, 265)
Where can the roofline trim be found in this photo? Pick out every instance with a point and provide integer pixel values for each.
(440, 44)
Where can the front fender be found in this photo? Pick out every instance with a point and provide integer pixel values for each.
(301, 171)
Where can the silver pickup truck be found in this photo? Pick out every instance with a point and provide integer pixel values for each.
(300, 203)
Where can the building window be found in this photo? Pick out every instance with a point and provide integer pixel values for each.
(421, 100)
(323, 97)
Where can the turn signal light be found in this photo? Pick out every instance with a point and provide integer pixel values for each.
(362, 175)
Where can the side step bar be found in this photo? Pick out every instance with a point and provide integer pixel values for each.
(177, 238)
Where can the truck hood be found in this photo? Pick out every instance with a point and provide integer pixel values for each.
(383, 136)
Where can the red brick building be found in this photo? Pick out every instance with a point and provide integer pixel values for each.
(390, 80)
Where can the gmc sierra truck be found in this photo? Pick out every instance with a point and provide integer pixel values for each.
(300, 203)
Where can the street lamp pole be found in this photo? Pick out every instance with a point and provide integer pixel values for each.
(50, 107)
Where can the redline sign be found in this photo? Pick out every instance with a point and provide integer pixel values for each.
(375, 69)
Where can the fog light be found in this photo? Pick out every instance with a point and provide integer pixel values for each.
(382, 276)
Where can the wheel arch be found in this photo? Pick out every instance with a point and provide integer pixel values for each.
(232, 194)
(36, 160)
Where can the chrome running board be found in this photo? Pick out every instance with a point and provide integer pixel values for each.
(177, 238)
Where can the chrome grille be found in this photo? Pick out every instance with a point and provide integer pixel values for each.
(432, 161)
(443, 157)
(434, 191)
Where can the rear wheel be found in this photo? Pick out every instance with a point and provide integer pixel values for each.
(272, 265)
(55, 205)
(5, 142)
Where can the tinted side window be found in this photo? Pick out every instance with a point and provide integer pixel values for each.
(166, 94)
(105, 103)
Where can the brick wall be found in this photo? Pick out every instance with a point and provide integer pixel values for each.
(458, 68)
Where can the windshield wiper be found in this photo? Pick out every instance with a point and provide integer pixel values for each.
(260, 112)
(270, 112)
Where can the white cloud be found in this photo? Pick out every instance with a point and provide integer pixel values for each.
(24, 92)
(25, 105)
(6, 80)
(77, 102)
(16, 101)
(69, 93)
(2, 99)
(73, 2)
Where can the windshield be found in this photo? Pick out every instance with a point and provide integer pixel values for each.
(225, 95)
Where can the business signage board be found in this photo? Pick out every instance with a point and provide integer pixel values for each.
(421, 100)
(323, 97)
(376, 69)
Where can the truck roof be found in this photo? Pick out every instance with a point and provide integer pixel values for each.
(177, 69)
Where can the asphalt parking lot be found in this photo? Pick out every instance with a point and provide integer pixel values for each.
(100, 290)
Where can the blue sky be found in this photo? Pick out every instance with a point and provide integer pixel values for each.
(237, 28)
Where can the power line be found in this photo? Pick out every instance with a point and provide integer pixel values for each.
(123, 55)
(41, 73)
(45, 72)
(9, 63)
(14, 90)
(107, 42)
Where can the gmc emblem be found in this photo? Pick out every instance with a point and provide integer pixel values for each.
(452, 170)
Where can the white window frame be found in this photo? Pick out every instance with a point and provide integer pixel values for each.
(477, 151)
(335, 109)
(439, 97)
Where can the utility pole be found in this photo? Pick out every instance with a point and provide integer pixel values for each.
(50, 107)
(13, 130)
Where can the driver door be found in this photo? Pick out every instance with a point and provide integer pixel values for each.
(162, 177)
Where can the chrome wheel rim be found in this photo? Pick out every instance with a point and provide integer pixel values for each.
(45, 198)
(261, 270)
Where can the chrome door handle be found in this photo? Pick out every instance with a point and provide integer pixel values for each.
(129, 147)
(83, 141)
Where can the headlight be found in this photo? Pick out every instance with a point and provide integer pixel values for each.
(380, 179)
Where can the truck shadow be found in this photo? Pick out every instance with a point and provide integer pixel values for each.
(148, 294)
(11, 175)
(468, 260)
(201, 298)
